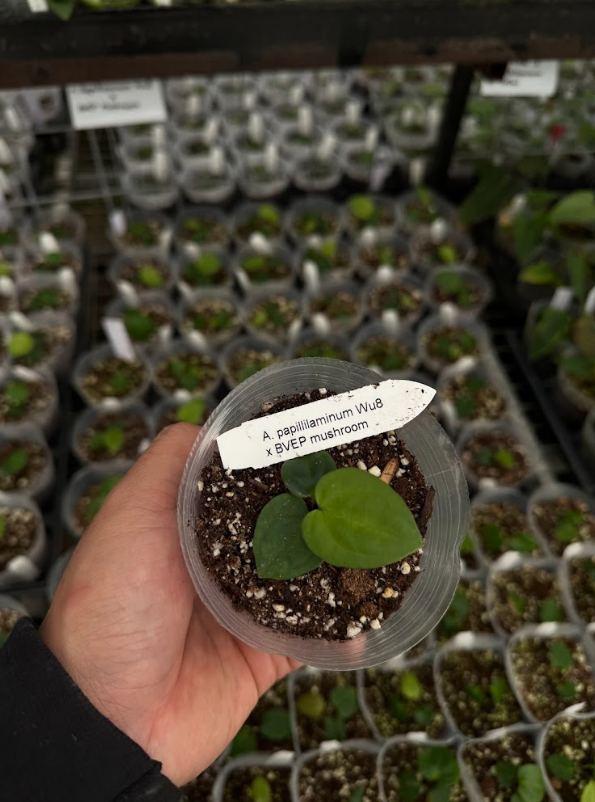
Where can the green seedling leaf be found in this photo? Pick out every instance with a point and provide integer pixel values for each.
(467, 547)
(62, 8)
(21, 343)
(494, 189)
(450, 282)
(276, 724)
(438, 764)
(361, 522)
(518, 603)
(498, 690)
(301, 475)
(140, 327)
(504, 458)
(279, 548)
(578, 366)
(113, 439)
(447, 254)
(522, 542)
(550, 610)
(424, 715)
(398, 708)
(105, 487)
(358, 794)
(531, 787)
(560, 655)
(456, 615)
(149, 276)
(580, 274)
(476, 693)
(334, 728)
(260, 790)
(410, 686)
(17, 394)
(541, 274)
(551, 330)
(120, 383)
(507, 774)
(15, 462)
(492, 535)
(584, 335)
(310, 704)
(362, 208)
(575, 209)
(588, 794)
(527, 234)
(244, 742)
(568, 525)
(560, 766)
(3, 638)
(566, 690)
(269, 213)
(409, 787)
(440, 793)
(344, 699)
(192, 411)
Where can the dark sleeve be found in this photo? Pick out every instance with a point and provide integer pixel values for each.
(54, 745)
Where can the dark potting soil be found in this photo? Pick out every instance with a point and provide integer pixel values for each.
(335, 776)
(145, 234)
(526, 595)
(544, 685)
(190, 371)
(212, 317)
(477, 692)
(448, 344)
(396, 296)
(128, 430)
(400, 773)
(203, 230)
(52, 262)
(582, 583)
(257, 224)
(40, 300)
(383, 217)
(8, 620)
(245, 362)
(338, 306)
(468, 297)
(7, 304)
(19, 527)
(502, 527)
(385, 352)
(467, 612)
(483, 759)
(133, 272)
(268, 727)
(321, 224)
(399, 705)
(273, 315)
(200, 789)
(495, 455)
(339, 258)
(113, 377)
(563, 521)
(474, 398)
(264, 268)
(38, 397)
(239, 785)
(440, 254)
(18, 474)
(48, 341)
(384, 254)
(327, 708)
(330, 603)
(575, 739)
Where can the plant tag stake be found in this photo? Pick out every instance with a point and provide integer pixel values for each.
(590, 302)
(118, 337)
(5, 152)
(324, 424)
(38, 6)
(48, 243)
(562, 298)
(117, 221)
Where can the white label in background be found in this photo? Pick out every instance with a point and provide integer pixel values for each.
(38, 6)
(48, 243)
(118, 337)
(115, 103)
(590, 302)
(562, 298)
(524, 79)
(117, 221)
(323, 424)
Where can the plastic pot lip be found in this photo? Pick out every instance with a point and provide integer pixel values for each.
(8, 602)
(283, 759)
(426, 601)
(574, 712)
(574, 551)
(45, 417)
(85, 363)
(551, 492)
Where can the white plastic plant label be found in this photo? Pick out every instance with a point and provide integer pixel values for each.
(118, 337)
(48, 242)
(524, 79)
(330, 422)
(117, 221)
(590, 302)
(38, 6)
(115, 103)
(562, 298)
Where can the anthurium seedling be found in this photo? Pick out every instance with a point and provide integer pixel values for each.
(404, 705)
(150, 277)
(16, 395)
(525, 781)
(142, 233)
(193, 411)
(21, 344)
(359, 522)
(364, 210)
(437, 771)
(47, 298)
(15, 462)
(139, 325)
(110, 439)
(260, 790)
(204, 271)
(455, 288)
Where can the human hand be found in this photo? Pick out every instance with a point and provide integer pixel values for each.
(127, 626)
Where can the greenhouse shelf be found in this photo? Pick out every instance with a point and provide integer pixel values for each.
(38, 49)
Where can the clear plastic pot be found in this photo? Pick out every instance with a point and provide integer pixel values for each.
(8, 295)
(271, 352)
(331, 224)
(578, 401)
(55, 574)
(192, 150)
(381, 220)
(193, 238)
(317, 268)
(40, 487)
(314, 174)
(571, 716)
(340, 324)
(550, 492)
(164, 413)
(192, 304)
(544, 632)
(453, 238)
(162, 234)
(46, 394)
(32, 290)
(381, 284)
(179, 91)
(360, 745)
(429, 597)
(12, 263)
(61, 331)
(295, 304)
(374, 168)
(64, 223)
(24, 567)
(498, 428)
(81, 483)
(188, 123)
(162, 307)
(143, 189)
(89, 417)
(10, 603)
(260, 181)
(449, 319)
(576, 551)
(138, 156)
(480, 286)
(399, 336)
(472, 786)
(183, 348)
(246, 212)
(85, 364)
(468, 367)
(382, 255)
(121, 272)
(199, 192)
(280, 284)
(278, 760)
(299, 141)
(414, 739)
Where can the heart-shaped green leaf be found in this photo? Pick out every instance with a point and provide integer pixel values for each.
(279, 548)
(578, 208)
(260, 790)
(361, 523)
(301, 475)
(276, 724)
(21, 343)
(588, 794)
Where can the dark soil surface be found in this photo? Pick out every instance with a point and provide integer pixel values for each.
(325, 714)
(8, 620)
(582, 583)
(200, 789)
(496, 455)
(44, 299)
(467, 612)
(113, 377)
(470, 299)
(245, 362)
(503, 527)
(338, 259)
(477, 692)
(52, 262)
(142, 234)
(542, 684)
(483, 759)
(238, 787)
(441, 254)
(94, 446)
(398, 709)
(258, 224)
(19, 527)
(203, 231)
(261, 269)
(211, 317)
(339, 307)
(335, 776)
(330, 603)
(384, 216)
(48, 341)
(188, 371)
(397, 296)
(385, 352)
(273, 315)
(448, 344)
(576, 740)
(316, 223)
(527, 595)
(19, 475)
(133, 272)
(563, 521)
(37, 399)
(474, 398)
(400, 763)
(384, 254)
